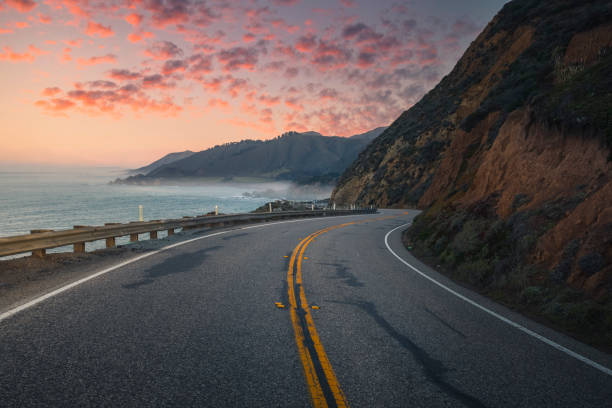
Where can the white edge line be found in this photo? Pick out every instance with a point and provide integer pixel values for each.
(33, 302)
(498, 316)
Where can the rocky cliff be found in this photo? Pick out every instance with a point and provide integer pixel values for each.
(509, 157)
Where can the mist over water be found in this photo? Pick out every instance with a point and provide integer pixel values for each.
(61, 197)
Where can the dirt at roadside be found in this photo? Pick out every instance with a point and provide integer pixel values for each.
(23, 279)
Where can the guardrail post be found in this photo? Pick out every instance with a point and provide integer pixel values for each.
(153, 235)
(170, 231)
(140, 214)
(133, 237)
(269, 207)
(39, 253)
(79, 247)
(216, 210)
(110, 242)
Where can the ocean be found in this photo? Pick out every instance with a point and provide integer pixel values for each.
(59, 198)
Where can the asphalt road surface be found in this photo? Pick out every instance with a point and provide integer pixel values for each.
(272, 316)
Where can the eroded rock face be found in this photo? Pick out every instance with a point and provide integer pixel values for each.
(511, 152)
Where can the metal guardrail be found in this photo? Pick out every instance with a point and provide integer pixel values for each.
(38, 241)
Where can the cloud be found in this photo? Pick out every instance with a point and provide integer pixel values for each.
(306, 43)
(293, 104)
(98, 30)
(238, 58)
(285, 2)
(101, 84)
(173, 66)
(134, 19)
(104, 59)
(237, 86)
(200, 64)
(23, 6)
(55, 105)
(5, 31)
(269, 100)
(44, 19)
(348, 3)
(30, 55)
(74, 43)
(292, 72)
(157, 81)
(165, 12)
(66, 56)
(163, 50)
(218, 103)
(123, 75)
(330, 56)
(109, 101)
(51, 91)
(21, 24)
(328, 93)
(139, 36)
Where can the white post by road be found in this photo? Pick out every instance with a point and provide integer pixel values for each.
(140, 214)
(216, 210)
(311, 207)
(334, 206)
(270, 207)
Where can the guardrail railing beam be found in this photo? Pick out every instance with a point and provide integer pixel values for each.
(39, 240)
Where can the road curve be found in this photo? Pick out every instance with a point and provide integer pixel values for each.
(216, 322)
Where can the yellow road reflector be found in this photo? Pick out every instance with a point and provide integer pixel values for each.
(305, 257)
(279, 305)
(286, 256)
(315, 307)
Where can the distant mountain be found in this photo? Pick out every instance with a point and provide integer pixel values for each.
(510, 158)
(167, 159)
(305, 158)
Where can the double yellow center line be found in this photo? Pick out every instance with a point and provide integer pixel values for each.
(322, 383)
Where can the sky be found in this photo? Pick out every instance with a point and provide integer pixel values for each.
(123, 82)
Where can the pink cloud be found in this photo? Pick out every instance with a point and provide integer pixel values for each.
(163, 50)
(21, 24)
(23, 6)
(200, 64)
(157, 81)
(134, 38)
(212, 84)
(293, 103)
(66, 56)
(268, 100)
(238, 58)
(165, 12)
(51, 91)
(218, 103)
(134, 19)
(306, 43)
(5, 31)
(172, 66)
(104, 59)
(237, 86)
(330, 56)
(98, 30)
(74, 43)
(55, 105)
(248, 37)
(44, 19)
(123, 75)
(30, 55)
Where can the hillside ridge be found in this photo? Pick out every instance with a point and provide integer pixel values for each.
(509, 157)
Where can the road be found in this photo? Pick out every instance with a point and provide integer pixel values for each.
(213, 322)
